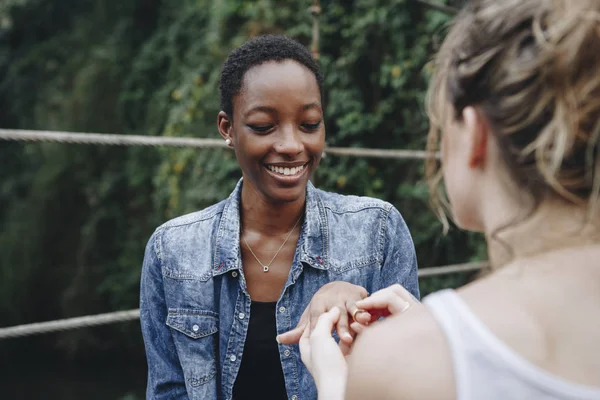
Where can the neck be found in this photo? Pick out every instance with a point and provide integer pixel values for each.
(265, 217)
(553, 226)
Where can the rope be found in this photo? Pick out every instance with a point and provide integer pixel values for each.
(451, 269)
(440, 7)
(315, 10)
(379, 153)
(140, 140)
(107, 139)
(131, 315)
(69, 323)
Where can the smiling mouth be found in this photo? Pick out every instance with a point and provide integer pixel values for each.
(287, 171)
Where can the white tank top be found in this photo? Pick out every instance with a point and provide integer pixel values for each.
(487, 369)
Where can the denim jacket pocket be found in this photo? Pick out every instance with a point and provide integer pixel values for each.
(355, 268)
(194, 335)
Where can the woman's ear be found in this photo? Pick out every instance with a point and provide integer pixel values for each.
(225, 125)
(477, 131)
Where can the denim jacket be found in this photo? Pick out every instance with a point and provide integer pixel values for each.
(195, 306)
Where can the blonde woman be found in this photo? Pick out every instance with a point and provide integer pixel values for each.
(516, 101)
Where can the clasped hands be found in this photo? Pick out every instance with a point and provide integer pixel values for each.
(348, 309)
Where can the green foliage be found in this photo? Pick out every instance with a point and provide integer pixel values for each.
(75, 219)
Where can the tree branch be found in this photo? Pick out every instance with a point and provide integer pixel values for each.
(440, 7)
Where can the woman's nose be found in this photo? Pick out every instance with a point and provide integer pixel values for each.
(289, 142)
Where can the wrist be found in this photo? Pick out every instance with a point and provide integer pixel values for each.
(331, 394)
(332, 389)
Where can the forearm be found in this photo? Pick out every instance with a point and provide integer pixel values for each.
(332, 392)
(333, 385)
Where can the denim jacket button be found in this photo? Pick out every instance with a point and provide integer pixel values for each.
(294, 397)
(281, 309)
(241, 315)
(233, 358)
(286, 353)
(234, 274)
(195, 328)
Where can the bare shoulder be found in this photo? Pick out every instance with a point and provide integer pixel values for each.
(400, 358)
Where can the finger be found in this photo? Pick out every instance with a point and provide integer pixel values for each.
(325, 324)
(395, 291)
(293, 336)
(316, 311)
(346, 348)
(385, 299)
(358, 328)
(388, 303)
(342, 327)
(358, 315)
(402, 292)
(304, 345)
(399, 290)
(374, 315)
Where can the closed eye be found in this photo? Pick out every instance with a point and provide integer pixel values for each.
(260, 128)
(312, 127)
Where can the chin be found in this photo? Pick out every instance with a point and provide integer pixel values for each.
(283, 189)
(467, 220)
(287, 195)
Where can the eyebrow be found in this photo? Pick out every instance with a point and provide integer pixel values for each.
(311, 105)
(271, 110)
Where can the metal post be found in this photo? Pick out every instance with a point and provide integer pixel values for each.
(315, 10)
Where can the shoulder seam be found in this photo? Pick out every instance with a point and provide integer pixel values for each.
(196, 219)
(157, 247)
(384, 229)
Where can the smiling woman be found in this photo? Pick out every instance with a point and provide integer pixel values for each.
(227, 292)
(277, 129)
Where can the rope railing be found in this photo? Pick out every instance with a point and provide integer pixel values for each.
(69, 323)
(133, 315)
(202, 143)
(439, 7)
(452, 269)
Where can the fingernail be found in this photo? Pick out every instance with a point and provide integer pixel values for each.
(277, 339)
(347, 335)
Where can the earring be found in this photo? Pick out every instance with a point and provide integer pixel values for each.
(227, 141)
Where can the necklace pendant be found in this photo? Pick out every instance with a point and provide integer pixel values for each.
(265, 268)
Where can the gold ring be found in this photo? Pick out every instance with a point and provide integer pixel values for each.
(356, 312)
(405, 307)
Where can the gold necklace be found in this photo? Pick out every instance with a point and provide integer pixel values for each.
(266, 267)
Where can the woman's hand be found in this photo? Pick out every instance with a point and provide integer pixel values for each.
(342, 295)
(385, 302)
(323, 357)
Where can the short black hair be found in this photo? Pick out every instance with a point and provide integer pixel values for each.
(257, 51)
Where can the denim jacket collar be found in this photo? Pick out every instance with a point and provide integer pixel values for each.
(312, 240)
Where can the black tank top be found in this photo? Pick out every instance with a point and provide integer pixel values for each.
(260, 375)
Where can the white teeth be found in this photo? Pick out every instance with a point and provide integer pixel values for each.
(286, 171)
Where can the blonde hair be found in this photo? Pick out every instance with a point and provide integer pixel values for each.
(533, 68)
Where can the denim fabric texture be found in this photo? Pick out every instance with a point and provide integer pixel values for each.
(195, 307)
